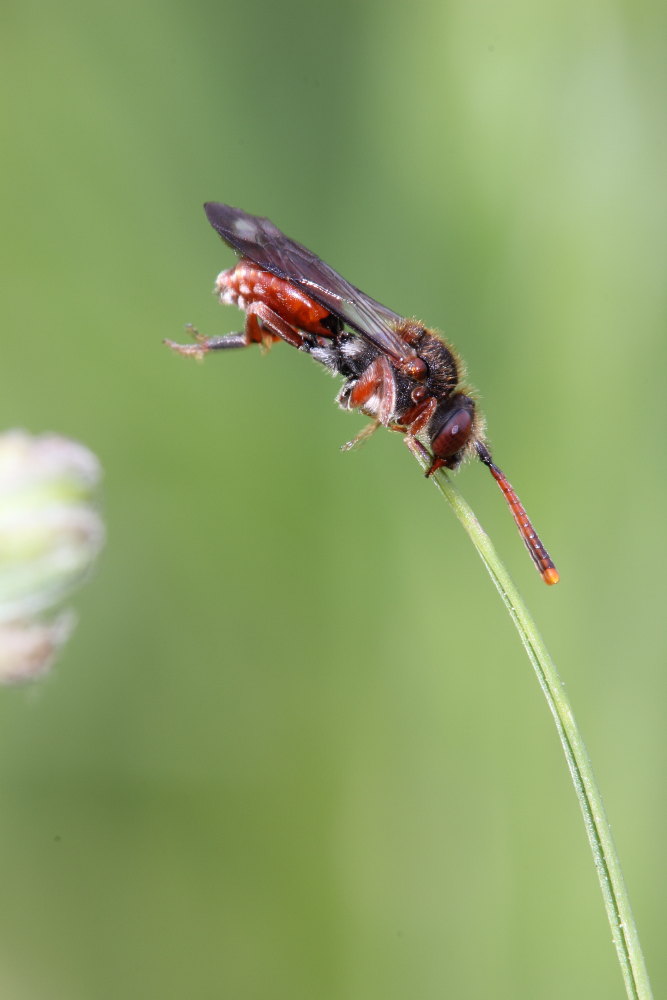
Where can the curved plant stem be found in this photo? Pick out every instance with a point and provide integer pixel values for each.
(606, 860)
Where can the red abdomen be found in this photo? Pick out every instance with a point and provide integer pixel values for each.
(248, 283)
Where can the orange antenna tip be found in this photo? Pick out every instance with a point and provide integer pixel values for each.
(536, 549)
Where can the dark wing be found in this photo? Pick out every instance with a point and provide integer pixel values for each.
(264, 244)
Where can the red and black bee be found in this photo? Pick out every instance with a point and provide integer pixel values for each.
(397, 372)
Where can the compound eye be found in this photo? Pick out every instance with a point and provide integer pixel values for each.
(453, 435)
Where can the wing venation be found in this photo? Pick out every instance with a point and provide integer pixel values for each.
(258, 239)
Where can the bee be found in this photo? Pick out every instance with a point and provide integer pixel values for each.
(396, 371)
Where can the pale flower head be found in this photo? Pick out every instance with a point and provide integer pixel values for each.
(50, 534)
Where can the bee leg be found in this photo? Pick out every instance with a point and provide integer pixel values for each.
(262, 326)
(414, 422)
(362, 436)
(418, 418)
(273, 327)
(203, 344)
(374, 392)
(417, 448)
(252, 334)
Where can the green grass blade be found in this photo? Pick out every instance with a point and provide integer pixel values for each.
(607, 864)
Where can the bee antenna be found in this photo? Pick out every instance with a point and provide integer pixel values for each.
(532, 540)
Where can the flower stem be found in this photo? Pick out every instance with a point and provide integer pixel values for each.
(607, 864)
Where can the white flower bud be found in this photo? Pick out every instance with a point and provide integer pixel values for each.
(50, 534)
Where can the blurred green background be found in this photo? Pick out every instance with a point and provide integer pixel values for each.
(294, 749)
